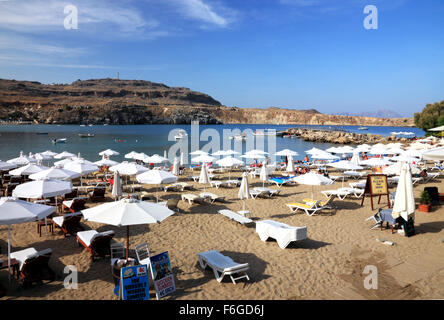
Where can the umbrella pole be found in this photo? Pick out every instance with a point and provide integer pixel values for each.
(127, 241)
(9, 254)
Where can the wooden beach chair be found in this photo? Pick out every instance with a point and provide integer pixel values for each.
(75, 205)
(98, 194)
(33, 265)
(222, 265)
(283, 233)
(97, 244)
(69, 223)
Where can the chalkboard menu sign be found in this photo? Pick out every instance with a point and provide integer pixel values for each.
(376, 185)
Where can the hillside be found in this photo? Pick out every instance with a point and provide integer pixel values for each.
(114, 101)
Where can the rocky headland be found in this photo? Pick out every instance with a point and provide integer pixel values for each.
(114, 101)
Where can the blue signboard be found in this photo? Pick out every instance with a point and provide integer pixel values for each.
(162, 275)
(134, 283)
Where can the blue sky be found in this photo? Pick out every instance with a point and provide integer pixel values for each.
(247, 53)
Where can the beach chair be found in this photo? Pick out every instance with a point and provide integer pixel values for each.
(69, 223)
(235, 216)
(222, 265)
(256, 193)
(73, 194)
(75, 205)
(326, 204)
(267, 191)
(211, 197)
(33, 265)
(97, 243)
(98, 194)
(192, 198)
(283, 233)
(382, 216)
(146, 196)
(117, 252)
(309, 209)
(143, 254)
(431, 176)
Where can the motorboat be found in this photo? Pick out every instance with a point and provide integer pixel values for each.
(62, 140)
(86, 135)
(181, 134)
(239, 137)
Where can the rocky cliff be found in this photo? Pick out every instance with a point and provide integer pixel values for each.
(115, 101)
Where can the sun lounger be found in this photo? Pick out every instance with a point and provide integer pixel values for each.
(354, 174)
(33, 265)
(192, 198)
(69, 223)
(431, 176)
(75, 205)
(267, 191)
(235, 216)
(98, 244)
(98, 194)
(179, 186)
(326, 204)
(256, 193)
(211, 197)
(283, 233)
(281, 181)
(309, 209)
(222, 265)
(382, 216)
(342, 193)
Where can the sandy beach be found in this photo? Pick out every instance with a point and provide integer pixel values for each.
(327, 265)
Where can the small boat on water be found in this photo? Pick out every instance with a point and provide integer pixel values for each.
(239, 137)
(41, 133)
(86, 135)
(266, 132)
(62, 140)
(181, 134)
(363, 128)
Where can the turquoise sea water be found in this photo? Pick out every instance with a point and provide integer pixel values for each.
(149, 139)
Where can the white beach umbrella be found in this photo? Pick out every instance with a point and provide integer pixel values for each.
(198, 153)
(314, 150)
(61, 163)
(117, 187)
(42, 189)
(363, 148)
(140, 156)
(64, 154)
(253, 156)
(395, 169)
(175, 167)
(155, 159)
(54, 173)
(228, 152)
(263, 175)
(81, 166)
(414, 153)
(313, 179)
(165, 154)
(256, 151)
(128, 168)
(14, 211)
(108, 152)
(404, 158)
(5, 166)
(404, 204)
(244, 190)
(156, 177)
(131, 155)
(127, 212)
(376, 162)
(324, 156)
(204, 159)
(41, 157)
(436, 154)
(106, 162)
(286, 153)
(22, 160)
(27, 170)
(345, 165)
(48, 153)
(229, 162)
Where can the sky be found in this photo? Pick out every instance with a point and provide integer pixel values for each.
(247, 53)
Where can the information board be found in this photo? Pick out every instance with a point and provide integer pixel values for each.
(162, 274)
(134, 283)
(376, 185)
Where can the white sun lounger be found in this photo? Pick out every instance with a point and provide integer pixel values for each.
(22, 255)
(211, 197)
(342, 193)
(431, 176)
(191, 198)
(235, 216)
(283, 233)
(268, 191)
(222, 265)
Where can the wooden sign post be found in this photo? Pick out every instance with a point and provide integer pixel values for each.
(376, 185)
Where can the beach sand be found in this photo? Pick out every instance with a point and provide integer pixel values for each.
(327, 265)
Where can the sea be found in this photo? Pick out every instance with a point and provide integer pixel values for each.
(151, 139)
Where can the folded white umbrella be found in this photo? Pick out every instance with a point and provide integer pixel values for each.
(117, 187)
(22, 160)
(203, 178)
(290, 165)
(182, 159)
(106, 162)
(54, 173)
(175, 167)
(27, 170)
(404, 204)
(263, 175)
(4, 166)
(355, 159)
(204, 158)
(127, 212)
(244, 190)
(42, 189)
(64, 154)
(128, 168)
(14, 211)
(108, 152)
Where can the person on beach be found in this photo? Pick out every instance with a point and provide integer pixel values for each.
(306, 159)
